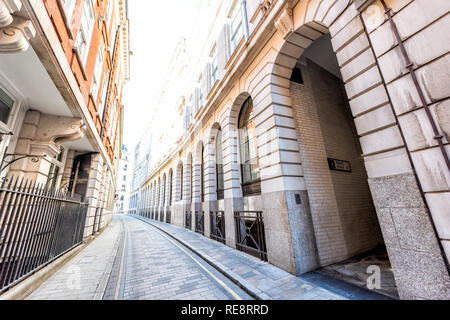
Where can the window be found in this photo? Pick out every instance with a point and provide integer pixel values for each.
(181, 182)
(200, 98)
(68, 6)
(97, 73)
(170, 187)
(202, 175)
(297, 76)
(192, 181)
(164, 192)
(214, 66)
(248, 150)
(6, 105)
(236, 28)
(84, 34)
(108, 12)
(101, 103)
(219, 165)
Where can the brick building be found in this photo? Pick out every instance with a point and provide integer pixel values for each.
(312, 131)
(63, 65)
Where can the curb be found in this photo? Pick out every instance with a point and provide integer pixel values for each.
(235, 278)
(28, 285)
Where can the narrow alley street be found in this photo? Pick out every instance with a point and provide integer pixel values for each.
(133, 261)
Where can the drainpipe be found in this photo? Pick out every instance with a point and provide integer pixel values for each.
(109, 83)
(244, 13)
(410, 66)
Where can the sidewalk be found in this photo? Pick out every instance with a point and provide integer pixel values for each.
(87, 274)
(259, 278)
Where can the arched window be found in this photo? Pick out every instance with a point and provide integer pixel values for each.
(192, 180)
(164, 191)
(202, 176)
(170, 187)
(251, 182)
(181, 182)
(219, 165)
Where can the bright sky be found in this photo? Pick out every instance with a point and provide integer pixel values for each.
(155, 28)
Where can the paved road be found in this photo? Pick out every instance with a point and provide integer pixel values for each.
(133, 260)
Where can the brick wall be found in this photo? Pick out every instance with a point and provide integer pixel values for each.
(342, 210)
(84, 73)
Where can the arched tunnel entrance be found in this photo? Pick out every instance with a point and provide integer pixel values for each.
(347, 231)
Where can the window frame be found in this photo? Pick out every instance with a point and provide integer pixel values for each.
(236, 34)
(69, 6)
(219, 165)
(248, 149)
(98, 68)
(214, 66)
(85, 34)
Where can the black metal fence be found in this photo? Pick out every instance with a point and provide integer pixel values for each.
(250, 237)
(37, 225)
(200, 222)
(188, 220)
(217, 223)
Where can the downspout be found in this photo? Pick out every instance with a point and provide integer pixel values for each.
(244, 13)
(109, 83)
(410, 66)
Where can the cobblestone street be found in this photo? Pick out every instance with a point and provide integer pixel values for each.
(133, 261)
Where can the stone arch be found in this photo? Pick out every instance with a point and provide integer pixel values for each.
(179, 181)
(164, 190)
(170, 187)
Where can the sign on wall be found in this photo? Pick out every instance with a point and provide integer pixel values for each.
(339, 165)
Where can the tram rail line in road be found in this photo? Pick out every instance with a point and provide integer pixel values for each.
(116, 281)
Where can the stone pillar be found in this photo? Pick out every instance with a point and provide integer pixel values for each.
(93, 192)
(232, 176)
(187, 201)
(210, 202)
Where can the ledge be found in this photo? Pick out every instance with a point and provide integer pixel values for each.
(361, 5)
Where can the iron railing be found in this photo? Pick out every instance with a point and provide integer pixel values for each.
(37, 225)
(250, 237)
(168, 216)
(217, 223)
(188, 220)
(157, 213)
(200, 222)
(152, 214)
(161, 216)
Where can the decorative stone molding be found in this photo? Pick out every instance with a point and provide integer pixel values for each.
(15, 31)
(285, 23)
(265, 5)
(58, 129)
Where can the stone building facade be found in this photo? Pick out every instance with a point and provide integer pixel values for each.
(63, 64)
(331, 118)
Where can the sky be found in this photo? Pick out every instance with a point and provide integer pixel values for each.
(155, 28)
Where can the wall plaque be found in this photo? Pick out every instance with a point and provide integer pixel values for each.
(339, 165)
